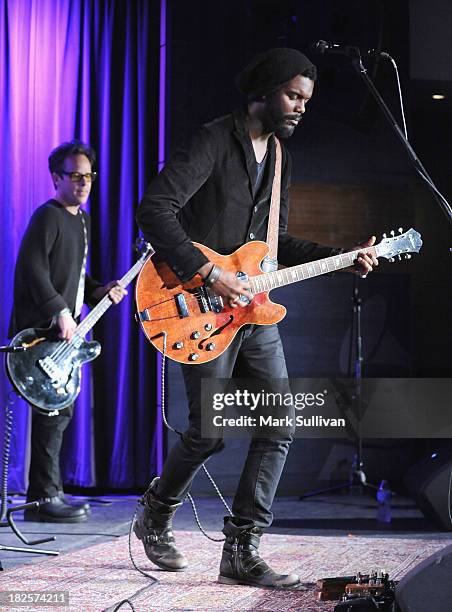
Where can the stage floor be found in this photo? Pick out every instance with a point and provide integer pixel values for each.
(326, 515)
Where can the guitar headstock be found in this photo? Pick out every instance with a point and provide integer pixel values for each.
(142, 248)
(399, 245)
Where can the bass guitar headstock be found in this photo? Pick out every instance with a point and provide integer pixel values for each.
(142, 248)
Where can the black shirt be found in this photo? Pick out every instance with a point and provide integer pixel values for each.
(48, 267)
(260, 172)
(206, 193)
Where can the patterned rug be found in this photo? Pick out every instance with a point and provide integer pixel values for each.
(99, 577)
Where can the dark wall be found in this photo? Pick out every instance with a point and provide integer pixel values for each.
(430, 27)
(341, 138)
(431, 125)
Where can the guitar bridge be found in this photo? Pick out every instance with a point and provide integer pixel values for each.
(142, 316)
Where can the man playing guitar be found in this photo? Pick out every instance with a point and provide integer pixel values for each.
(216, 191)
(50, 286)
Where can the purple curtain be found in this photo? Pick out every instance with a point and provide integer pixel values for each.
(85, 69)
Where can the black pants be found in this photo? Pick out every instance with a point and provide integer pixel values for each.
(46, 439)
(256, 352)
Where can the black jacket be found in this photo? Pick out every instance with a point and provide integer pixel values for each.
(205, 193)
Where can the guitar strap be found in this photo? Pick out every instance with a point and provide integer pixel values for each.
(81, 283)
(270, 261)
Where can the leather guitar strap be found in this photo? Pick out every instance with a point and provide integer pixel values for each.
(270, 262)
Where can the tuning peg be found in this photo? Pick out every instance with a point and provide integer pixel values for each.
(384, 236)
(400, 230)
(407, 255)
(392, 232)
(391, 259)
(399, 257)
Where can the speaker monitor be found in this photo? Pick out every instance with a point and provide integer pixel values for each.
(429, 482)
(428, 586)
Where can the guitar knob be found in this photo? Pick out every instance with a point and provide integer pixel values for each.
(392, 232)
(193, 356)
(391, 259)
(195, 335)
(178, 345)
(384, 236)
(210, 346)
(400, 230)
(407, 255)
(208, 326)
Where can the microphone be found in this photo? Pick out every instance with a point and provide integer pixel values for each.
(322, 46)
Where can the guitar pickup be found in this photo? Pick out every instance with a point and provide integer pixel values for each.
(201, 296)
(208, 301)
(181, 305)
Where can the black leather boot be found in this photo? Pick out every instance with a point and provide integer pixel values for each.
(241, 563)
(153, 527)
(54, 510)
(83, 505)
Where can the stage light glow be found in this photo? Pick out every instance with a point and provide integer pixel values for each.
(438, 97)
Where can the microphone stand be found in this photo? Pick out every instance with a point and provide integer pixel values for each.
(358, 476)
(355, 54)
(357, 481)
(5, 512)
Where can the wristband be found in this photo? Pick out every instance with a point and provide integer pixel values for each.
(208, 274)
(213, 276)
(65, 311)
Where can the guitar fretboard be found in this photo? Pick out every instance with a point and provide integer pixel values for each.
(100, 309)
(279, 278)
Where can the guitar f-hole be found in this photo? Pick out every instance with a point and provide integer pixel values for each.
(216, 332)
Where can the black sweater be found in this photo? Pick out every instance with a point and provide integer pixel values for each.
(48, 267)
(206, 193)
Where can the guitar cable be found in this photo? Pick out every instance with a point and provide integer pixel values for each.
(203, 465)
(8, 426)
(189, 496)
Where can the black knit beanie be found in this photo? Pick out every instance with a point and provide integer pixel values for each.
(271, 69)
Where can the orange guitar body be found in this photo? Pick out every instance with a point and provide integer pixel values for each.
(176, 314)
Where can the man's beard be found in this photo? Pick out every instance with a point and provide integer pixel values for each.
(284, 130)
(278, 123)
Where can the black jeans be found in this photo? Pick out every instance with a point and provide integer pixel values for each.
(256, 352)
(46, 439)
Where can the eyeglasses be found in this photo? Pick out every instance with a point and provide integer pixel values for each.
(76, 177)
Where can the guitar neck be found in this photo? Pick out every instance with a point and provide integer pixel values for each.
(101, 308)
(294, 274)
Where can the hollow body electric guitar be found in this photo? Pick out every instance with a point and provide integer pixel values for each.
(191, 324)
(47, 371)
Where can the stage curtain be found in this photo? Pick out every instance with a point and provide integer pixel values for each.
(86, 69)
